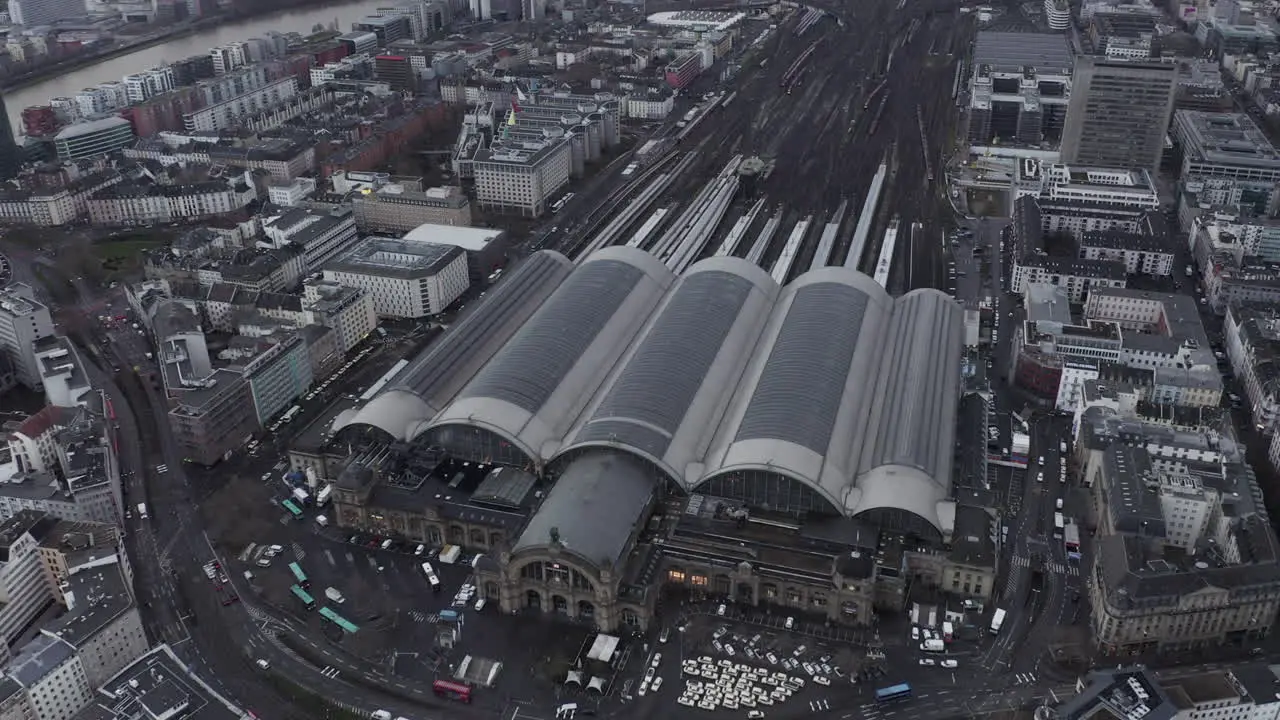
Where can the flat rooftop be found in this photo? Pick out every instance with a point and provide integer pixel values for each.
(158, 685)
(406, 259)
(471, 239)
(716, 19)
(1225, 138)
(99, 596)
(1015, 51)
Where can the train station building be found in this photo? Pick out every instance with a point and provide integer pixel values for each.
(598, 431)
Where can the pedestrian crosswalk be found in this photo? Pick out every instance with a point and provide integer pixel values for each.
(330, 672)
(1056, 568)
(1024, 679)
(422, 617)
(818, 705)
(298, 552)
(162, 469)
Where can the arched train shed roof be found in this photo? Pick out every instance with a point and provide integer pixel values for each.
(803, 401)
(538, 383)
(828, 381)
(666, 399)
(437, 375)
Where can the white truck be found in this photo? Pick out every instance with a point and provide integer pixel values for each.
(381, 715)
(449, 555)
(334, 594)
(301, 496)
(933, 645)
(997, 620)
(142, 510)
(322, 521)
(322, 497)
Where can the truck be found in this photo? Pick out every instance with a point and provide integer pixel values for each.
(322, 497)
(142, 510)
(997, 620)
(322, 521)
(334, 594)
(449, 555)
(1062, 446)
(302, 496)
(933, 645)
(1189, 270)
(948, 631)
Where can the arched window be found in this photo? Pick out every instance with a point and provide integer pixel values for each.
(434, 537)
(495, 539)
(629, 617)
(533, 600)
(491, 590)
(457, 535)
(477, 538)
(559, 605)
(580, 582)
(586, 610)
(532, 571)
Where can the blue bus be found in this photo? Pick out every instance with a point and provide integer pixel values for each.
(896, 692)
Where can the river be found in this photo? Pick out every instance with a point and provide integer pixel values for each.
(297, 20)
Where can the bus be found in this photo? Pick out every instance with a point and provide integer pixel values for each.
(452, 690)
(336, 619)
(1058, 523)
(895, 692)
(304, 596)
(1071, 541)
(300, 576)
(293, 509)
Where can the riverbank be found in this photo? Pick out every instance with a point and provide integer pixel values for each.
(176, 32)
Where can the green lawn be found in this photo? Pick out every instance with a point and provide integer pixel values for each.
(125, 254)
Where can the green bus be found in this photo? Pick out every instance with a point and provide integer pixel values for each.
(293, 509)
(300, 576)
(304, 596)
(338, 620)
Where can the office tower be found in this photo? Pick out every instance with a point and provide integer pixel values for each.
(10, 153)
(31, 13)
(1118, 113)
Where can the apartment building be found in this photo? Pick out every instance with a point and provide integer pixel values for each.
(523, 180)
(181, 350)
(62, 372)
(23, 321)
(394, 209)
(227, 114)
(1158, 492)
(101, 623)
(138, 204)
(1061, 183)
(53, 676)
(160, 685)
(320, 234)
(24, 588)
(1033, 264)
(1251, 333)
(348, 311)
(405, 278)
(279, 374)
(1140, 253)
(214, 420)
(52, 207)
(1162, 332)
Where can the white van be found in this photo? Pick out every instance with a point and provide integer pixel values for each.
(386, 544)
(1059, 503)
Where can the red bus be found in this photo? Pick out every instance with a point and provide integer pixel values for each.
(452, 690)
